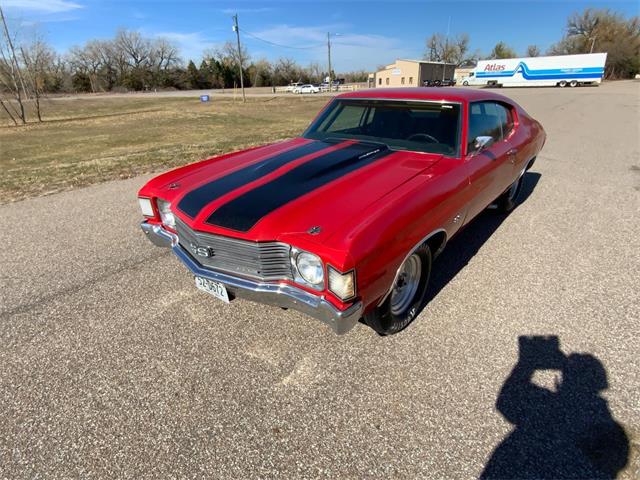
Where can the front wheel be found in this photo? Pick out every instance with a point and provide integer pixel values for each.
(465, 83)
(407, 295)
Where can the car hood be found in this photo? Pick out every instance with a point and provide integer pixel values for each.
(296, 188)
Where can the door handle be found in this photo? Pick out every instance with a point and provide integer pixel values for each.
(513, 151)
(512, 155)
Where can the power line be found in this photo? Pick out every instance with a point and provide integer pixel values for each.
(309, 47)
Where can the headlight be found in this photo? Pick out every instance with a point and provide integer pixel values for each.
(166, 215)
(146, 206)
(343, 285)
(310, 268)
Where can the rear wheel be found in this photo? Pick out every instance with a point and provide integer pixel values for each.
(562, 84)
(465, 83)
(407, 295)
(507, 201)
(573, 83)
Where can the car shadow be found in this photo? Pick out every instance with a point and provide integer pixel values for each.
(463, 247)
(561, 430)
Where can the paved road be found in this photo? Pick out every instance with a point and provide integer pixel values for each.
(113, 365)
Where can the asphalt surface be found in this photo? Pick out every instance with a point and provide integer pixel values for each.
(112, 364)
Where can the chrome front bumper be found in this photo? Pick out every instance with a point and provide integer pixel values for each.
(276, 294)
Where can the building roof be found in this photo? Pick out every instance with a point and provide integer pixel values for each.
(423, 61)
(425, 93)
(393, 65)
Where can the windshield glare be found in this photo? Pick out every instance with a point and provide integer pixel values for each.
(401, 125)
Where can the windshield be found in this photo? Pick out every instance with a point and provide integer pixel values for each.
(401, 125)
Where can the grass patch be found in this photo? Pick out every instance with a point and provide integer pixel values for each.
(87, 141)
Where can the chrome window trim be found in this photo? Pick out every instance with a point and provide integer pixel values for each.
(403, 99)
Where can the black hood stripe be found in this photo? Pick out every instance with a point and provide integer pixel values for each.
(245, 211)
(194, 201)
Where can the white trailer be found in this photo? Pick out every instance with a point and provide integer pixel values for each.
(559, 70)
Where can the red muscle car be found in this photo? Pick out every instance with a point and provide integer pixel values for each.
(343, 222)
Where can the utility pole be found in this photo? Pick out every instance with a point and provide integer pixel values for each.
(446, 49)
(329, 54)
(237, 30)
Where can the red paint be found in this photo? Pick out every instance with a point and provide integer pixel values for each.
(372, 217)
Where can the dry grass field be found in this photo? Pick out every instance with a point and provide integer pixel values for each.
(90, 140)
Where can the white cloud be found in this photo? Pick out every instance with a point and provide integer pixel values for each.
(46, 6)
(349, 51)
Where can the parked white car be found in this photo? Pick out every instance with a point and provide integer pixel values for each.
(308, 88)
(292, 87)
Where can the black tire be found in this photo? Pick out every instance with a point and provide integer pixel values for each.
(573, 83)
(465, 83)
(562, 84)
(383, 320)
(509, 199)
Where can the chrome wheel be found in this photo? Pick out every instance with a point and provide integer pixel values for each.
(406, 284)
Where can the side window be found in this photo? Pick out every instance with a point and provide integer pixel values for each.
(387, 80)
(379, 81)
(506, 120)
(484, 120)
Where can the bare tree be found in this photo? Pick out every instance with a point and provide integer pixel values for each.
(38, 59)
(604, 31)
(137, 49)
(285, 71)
(533, 51)
(163, 54)
(11, 74)
(441, 48)
(228, 54)
(315, 71)
(89, 60)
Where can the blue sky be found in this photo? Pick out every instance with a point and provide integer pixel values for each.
(370, 33)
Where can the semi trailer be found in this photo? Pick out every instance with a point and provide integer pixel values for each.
(558, 70)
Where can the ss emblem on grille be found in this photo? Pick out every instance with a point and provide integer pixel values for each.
(200, 251)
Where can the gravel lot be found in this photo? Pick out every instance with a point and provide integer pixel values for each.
(112, 365)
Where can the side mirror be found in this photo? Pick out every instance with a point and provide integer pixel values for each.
(481, 142)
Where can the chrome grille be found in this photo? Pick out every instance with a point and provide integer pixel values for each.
(260, 260)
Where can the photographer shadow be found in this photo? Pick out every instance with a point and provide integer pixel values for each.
(563, 432)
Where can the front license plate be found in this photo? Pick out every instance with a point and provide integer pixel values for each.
(216, 289)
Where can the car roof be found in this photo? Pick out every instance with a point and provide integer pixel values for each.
(446, 94)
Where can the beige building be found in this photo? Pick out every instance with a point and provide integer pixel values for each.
(411, 73)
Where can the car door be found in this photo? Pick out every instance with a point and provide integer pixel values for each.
(516, 138)
(490, 170)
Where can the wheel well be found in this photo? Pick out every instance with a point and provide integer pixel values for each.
(436, 243)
